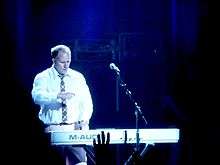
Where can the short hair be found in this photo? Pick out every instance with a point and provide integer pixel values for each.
(54, 50)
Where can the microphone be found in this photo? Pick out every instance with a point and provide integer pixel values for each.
(114, 67)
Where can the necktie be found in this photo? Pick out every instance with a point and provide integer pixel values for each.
(64, 107)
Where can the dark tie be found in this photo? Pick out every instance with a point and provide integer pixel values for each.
(64, 107)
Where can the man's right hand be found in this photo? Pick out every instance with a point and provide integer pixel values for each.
(65, 95)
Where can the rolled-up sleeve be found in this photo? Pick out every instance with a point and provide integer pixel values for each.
(40, 93)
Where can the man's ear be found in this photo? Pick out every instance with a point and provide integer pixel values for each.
(53, 60)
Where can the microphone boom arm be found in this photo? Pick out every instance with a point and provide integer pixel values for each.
(128, 93)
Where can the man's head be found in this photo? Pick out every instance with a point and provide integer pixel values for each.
(61, 57)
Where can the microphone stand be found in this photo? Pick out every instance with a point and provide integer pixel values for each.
(138, 112)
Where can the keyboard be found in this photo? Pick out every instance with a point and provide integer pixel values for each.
(117, 136)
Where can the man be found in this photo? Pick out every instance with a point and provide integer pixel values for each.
(65, 100)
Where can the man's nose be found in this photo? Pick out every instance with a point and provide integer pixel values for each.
(66, 65)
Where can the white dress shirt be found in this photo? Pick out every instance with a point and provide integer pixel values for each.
(46, 87)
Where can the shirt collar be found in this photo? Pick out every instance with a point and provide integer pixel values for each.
(57, 74)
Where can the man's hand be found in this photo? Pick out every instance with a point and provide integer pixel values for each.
(103, 151)
(65, 95)
(101, 140)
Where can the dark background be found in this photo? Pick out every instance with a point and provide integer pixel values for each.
(159, 46)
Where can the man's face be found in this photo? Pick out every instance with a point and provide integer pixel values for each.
(62, 62)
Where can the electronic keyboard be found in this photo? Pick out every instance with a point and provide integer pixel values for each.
(117, 136)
